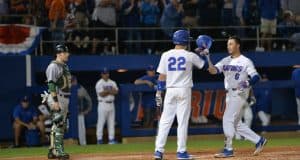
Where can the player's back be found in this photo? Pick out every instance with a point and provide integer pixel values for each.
(177, 65)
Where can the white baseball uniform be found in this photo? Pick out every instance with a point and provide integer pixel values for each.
(236, 70)
(177, 65)
(106, 109)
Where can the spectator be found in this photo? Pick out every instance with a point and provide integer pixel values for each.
(19, 6)
(268, 11)
(148, 98)
(295, 39)
(69, 25)
(190, 18)
(292, 5)
(287, 28)
(131, 18)
(264, 102)
(213, 9)
(81, 15)
(171, 17)
(84, 107)
(56, 15)
(296, 78)
(106, 89)
(26, 118)
(3, 10)
(104, 15)
(251, 18)
(149, 17)
(227, 13)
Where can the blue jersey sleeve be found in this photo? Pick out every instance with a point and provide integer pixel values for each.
(145, 77)
(16, 112)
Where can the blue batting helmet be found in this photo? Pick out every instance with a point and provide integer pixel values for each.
(181, 37)
(204, 42)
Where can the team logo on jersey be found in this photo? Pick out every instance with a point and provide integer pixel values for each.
(234, 68)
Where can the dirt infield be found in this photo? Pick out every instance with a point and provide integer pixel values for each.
(272, 153)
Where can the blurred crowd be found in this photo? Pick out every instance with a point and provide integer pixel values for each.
(75, 21)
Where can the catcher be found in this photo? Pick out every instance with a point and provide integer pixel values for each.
(59, 84)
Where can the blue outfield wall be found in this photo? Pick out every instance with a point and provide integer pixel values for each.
(13, 83)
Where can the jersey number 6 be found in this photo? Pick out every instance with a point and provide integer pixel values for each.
(176, 64)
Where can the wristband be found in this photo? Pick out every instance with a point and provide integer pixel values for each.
(161, 85)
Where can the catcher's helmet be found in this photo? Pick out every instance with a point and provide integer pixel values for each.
(61, 48)
(204, 42)
(181, 37)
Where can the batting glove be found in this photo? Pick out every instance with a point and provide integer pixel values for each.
(158, 99)
(44, 97)
(202, 52)
(243, 85)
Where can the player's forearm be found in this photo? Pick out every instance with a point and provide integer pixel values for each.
(52, 87)
(21, 122)
(114, 91)
(104, 94)
(139, 81)
(211, 67)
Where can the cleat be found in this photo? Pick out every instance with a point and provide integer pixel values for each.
(183, 155)
(100, 141)
(224, 154)
(158, 155)
(260, 146)
(112, 142)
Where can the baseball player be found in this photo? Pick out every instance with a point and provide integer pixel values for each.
(106, 90)
(84, 103)
(175, 74)
(236, 68)
(59, 84)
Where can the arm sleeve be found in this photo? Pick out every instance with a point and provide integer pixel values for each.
(197, 61)
(251, 71)
(162, 66)
(52, 73)
(143, 78)
(87, 97)
(16, 113)
(98, 88)
(115, 85)
(219, 66)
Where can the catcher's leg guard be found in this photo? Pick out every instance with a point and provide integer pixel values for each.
(56, 149)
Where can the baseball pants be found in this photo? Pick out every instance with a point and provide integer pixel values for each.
(106, 113)
(81, 130)
(232, 122)
(177, 102)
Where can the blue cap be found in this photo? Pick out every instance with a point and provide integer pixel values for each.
(150, 68)
(25, 99)
(104, 71)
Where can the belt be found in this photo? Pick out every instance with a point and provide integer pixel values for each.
(106, 101)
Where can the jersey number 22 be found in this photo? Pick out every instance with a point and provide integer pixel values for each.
(176, 64)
